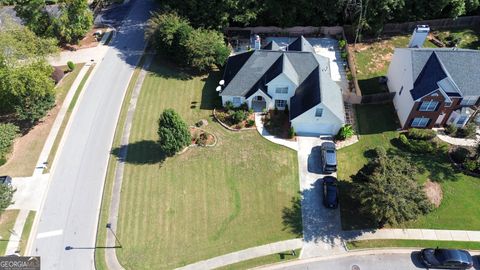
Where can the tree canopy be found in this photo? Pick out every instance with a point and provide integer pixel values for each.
(284, 13)
(387, 191)
(173, 132)
(68, 25)
(198, 48)
(26, 86)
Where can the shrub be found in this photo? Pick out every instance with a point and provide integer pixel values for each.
(471, 165)
(243, 106)
(468, 131)
(57, 74)
(342, 43)
(345, 132)
(420, 146)
(71, 65)
(8, 132)
(250, 111)
(238, 116)
(451, 129)
(202, 139)
(344, 55)
(460, 154)
(173, 132)
(421, 134)
(404, 140)
(291, 133)
(228, 105)
(250, 123)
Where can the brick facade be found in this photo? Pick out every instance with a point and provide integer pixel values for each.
(433, 115)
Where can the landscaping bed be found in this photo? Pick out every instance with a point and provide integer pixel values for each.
(235, 118)
(201, 137)
(277, 123)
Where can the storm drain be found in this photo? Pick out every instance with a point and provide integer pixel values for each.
(355, 267)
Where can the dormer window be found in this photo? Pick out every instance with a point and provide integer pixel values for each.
(318, 112)
(468, 101)
(281, 90)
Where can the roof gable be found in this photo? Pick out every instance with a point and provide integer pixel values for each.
(300, 44)
(272, 46)
(307, 94)
(426, 81)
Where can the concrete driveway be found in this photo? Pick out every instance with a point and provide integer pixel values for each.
(321, 226)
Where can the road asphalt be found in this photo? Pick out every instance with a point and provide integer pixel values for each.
(67, 225)
(368, 260)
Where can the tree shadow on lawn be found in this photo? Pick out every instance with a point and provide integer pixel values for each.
(164, 68)
(436, 165)
(141, 152)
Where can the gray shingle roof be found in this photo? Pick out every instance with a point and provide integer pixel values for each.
(247, 72)
(272, 46)
(300, 44)
(461, 65)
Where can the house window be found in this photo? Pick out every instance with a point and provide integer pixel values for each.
(448, 103)
(280, 103)
(462, 119)
(420, 122)
(428, 106)
(468, 101)
(281, 90)
(401, 89)
(318, 112)
(237, 101)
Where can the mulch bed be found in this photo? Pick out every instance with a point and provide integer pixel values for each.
(223, 116)
(201, 137)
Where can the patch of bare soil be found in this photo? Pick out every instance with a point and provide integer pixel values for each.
(89, 41)
(434, 192)
(26, 149)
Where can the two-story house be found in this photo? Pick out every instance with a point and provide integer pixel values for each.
(294, 77)
(434, 87)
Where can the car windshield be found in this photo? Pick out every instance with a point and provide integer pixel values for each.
(330, 151)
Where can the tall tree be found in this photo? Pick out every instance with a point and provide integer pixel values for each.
(35, 16)
(74, 21)
(206, 48)
(387, 191)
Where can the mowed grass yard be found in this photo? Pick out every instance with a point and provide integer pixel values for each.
(459, 208)
(207, 201)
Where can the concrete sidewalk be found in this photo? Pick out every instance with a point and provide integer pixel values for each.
(414, 234)
(246, 254)
(16, 234)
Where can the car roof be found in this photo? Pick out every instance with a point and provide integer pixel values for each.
(328, 145)
(453, 255)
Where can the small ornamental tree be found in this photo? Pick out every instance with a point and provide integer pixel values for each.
(173, 132)
(387, 191)
(6, 196)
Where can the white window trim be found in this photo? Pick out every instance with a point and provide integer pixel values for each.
(283, 101)
(281, 90)
(468, 101)
(428, 107)
(422, 122)
(460, 118)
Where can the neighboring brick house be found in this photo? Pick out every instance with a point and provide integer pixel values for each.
(434, 87)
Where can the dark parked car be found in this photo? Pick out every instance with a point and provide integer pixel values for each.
(329, 157)
(446, 258)
(5, 180)
(330, 192)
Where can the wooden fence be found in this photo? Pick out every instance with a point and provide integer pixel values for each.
(434, 24)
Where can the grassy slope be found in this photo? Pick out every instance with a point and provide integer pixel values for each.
(26, 231)
(7, 220)
(270, 259)
(413, 244)
(24, 163)
(460, 192)
(207, 201)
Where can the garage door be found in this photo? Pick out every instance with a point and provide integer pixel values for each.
(316, 129)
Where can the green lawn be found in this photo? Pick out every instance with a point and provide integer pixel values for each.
(459, 208)
(270, 259)
(412, 244)
(26, 231)
(7, 221)
(207, 201)
(469, 38)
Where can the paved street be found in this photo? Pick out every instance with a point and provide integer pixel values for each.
(395, 260)
(70, 212)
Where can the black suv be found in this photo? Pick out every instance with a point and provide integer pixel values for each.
(5, 180)
(330, 192)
